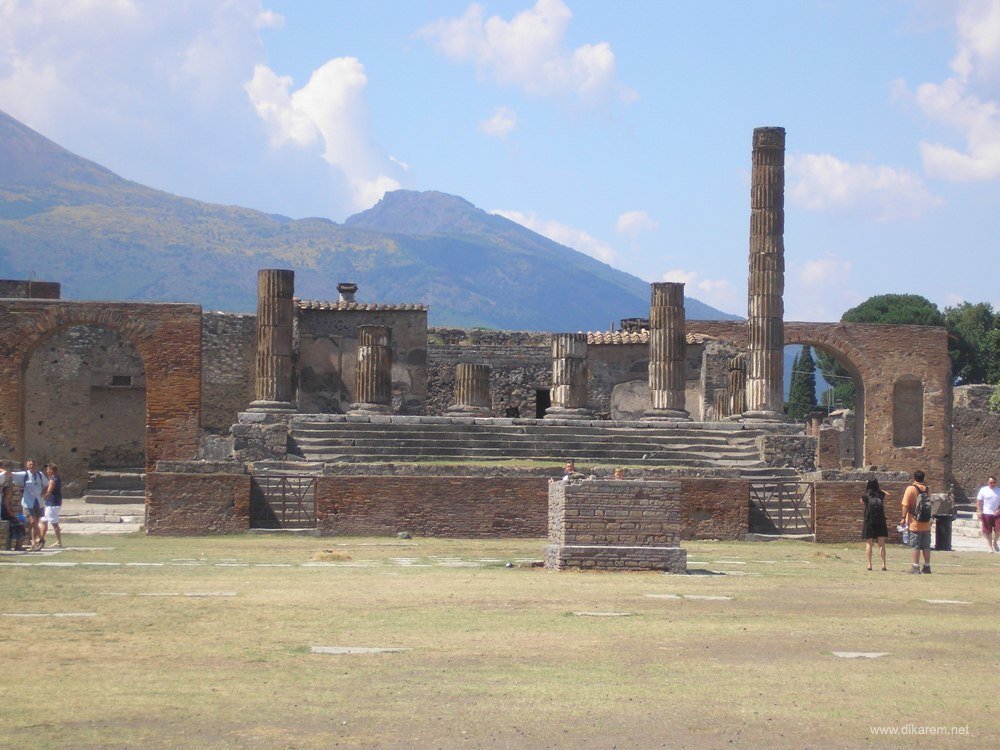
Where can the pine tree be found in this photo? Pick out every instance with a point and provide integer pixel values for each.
(802, 392)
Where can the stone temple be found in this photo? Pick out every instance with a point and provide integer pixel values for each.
(350, 416)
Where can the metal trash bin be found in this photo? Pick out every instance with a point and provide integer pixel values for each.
(942, 509)
(942, 533)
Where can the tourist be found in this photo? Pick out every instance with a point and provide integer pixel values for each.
(53, 504)
(917, 516)
(34, 485)
(988, 510)
(874, 527)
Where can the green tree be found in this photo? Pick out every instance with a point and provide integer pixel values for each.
(975, 342)
(802, 390)
(905, 309)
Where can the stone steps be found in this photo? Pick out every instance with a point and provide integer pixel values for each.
(696, 445)
(116, 487)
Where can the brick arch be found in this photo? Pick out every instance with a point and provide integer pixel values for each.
(167, 337)
(882, 355)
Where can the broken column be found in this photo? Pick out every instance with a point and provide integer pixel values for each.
(667, 353)
(765, 314)
(374, 383)
(275, 314)
(737, 390)
(472, 391)
(569, 377)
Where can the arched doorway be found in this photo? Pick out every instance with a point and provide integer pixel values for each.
(85, 405)
(166, 338)
(841, 370)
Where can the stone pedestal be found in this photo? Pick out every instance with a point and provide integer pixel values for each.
(472, 391)
(667, 353)
(765, 313)
(374, 384)
(569, 377)
(608, 524)
(275, 315)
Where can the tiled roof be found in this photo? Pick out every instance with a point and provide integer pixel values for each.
(637, 337)
(308, 304)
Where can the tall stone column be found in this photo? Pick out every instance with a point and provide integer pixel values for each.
(275, 315)
(765, 309)
(569, 377)
(374, 384)
(472, 391)
(667, 353)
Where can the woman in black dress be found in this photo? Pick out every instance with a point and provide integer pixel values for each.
(874, 526)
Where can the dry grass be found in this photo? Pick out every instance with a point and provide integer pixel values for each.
(497, 658)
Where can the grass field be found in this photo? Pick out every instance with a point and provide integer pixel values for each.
(146, 642)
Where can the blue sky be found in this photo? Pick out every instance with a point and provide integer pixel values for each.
(620, 129)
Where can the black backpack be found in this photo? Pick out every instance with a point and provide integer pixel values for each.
(875, 504)
(923, 510)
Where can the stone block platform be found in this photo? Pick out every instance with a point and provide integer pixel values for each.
(609, 524)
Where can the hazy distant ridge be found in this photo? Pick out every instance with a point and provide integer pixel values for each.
(64, 218)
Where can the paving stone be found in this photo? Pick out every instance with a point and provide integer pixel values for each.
(357, 650)
(603, 614)
(860, 654)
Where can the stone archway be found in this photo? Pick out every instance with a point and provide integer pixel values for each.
(167, 338)
(882, 355)
(849, 361)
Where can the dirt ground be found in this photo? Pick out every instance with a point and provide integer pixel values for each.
(139, 642)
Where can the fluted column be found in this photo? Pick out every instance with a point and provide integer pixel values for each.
(374, 383)
(472, 391)
(765, 313)
(275, 315)
(569, 377)
(667, 353)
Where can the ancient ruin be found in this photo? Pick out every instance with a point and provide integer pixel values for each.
(353, 417)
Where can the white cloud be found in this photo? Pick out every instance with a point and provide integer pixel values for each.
(634, 222)
(958, 102)
(528, 52)
(331, 110)
(500, 123)
(268, 19)
(821, 272)
(719, 293)
(564, 235)
(819, 289)
(978, 25)
(822, 182)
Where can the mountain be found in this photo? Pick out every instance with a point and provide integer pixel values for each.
(64, 218)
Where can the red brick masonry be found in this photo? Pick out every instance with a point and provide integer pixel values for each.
(470, 507)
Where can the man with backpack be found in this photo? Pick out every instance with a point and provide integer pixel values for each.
(917, 515)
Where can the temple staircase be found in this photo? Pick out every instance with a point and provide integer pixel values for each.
(427, 439)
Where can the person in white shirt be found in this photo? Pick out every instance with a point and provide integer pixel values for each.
(34, 484)
(988, 510)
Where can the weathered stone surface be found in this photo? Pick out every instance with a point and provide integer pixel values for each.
(615, 525)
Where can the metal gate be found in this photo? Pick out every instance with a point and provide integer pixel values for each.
(781, 507)
(282, 502)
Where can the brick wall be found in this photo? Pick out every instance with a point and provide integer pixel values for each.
(838, 510)
(881, 356)
(714, 508)
(604, 524)
(192, 504)
(976, 437)
(499, 507)
(167, 338)
(229, 350)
